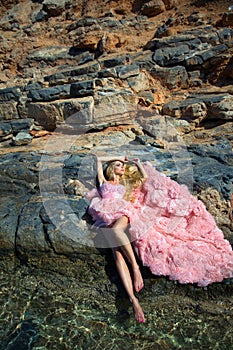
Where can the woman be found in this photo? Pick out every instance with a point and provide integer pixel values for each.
(172, 232)
(112, 210)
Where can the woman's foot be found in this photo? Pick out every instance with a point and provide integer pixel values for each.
(138, 313)
(138, 281)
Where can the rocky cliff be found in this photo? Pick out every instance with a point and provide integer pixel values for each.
(145, 78)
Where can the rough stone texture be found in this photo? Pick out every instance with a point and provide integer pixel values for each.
(51, 114)
(50, 216)
(10, 209)
(8, 110)
(153, 8)
(171, 77)
(22, 138)
(115, 107)
(136, 78)
(184, 60)
(53, 7)
(213, 106)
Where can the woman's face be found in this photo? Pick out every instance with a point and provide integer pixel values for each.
(119, 168)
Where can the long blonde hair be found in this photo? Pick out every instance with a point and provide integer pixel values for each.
(132, 179)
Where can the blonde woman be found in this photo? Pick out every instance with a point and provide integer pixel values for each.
(171, 231)
(112, 210)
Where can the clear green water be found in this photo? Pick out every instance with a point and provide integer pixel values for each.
(46, 310)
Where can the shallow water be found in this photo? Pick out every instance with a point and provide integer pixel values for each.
(46, 310)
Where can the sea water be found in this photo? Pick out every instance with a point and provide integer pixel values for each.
(41, 309)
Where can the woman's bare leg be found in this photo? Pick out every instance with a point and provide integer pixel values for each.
(127, 282)
(122, 241)
(121, 246)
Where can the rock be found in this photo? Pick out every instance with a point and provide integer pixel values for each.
(3, 78)
(10, 94)
(51, 114)
(73, 73)
(211, 172)
(107, 73)
(53, 7)
(111, 42)
(88, 41)
(39, 16)
(52, 54)
(227, 74)
(195, 48)
(39, 133)
(210, 106)
(222, 110)
(194, 78)
(170, 55)
(174, 77)
(196, 112)
(12, 127)
(6, 131)
(153, 8)
(145, 97)
(10, 207)
(75, 187)
(50, 221)
(22, 138)
(196, 17)
(50, 94)
(19, 174)
(182, 126)
(30, 234)
(22, 124)
(116, 107)
(8, 110)
(226, 20)
(113, 61)
(127, 71)
(83, 88)
(139, 83)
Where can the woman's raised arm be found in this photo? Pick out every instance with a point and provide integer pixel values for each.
(100, 160)
(100, 172)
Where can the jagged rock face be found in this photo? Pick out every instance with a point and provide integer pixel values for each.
(109, 90)
(37, 36)
(156, 74)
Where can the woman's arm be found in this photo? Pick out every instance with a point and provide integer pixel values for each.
(100, 172)
(100, 161)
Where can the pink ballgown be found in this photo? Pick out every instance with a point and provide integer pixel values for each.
(172, 232)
